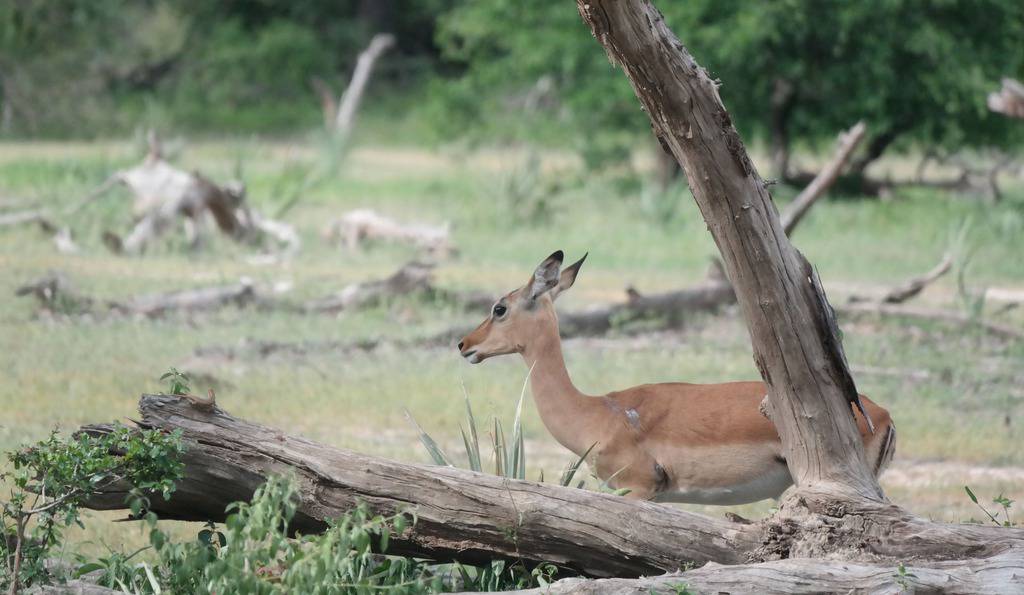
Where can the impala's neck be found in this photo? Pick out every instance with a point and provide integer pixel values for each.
(565, 411)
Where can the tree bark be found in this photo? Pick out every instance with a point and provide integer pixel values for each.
(462, 515)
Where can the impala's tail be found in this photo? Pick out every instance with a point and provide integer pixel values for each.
(886, 450)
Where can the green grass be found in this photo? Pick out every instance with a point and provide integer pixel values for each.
(68, 372)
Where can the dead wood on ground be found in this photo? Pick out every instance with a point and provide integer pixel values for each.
(462, 515)
(56, 294)
(358, 226)
(912, 286)
(475, 518)
(165, 195)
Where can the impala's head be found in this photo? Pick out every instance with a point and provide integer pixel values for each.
(521, 315)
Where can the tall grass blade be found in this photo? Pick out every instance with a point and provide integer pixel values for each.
(473, 443)
(517, 460)
(499, 449)
(573, 467)
(474, 461)
(433, 449)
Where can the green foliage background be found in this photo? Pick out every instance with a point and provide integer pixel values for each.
(919, 69)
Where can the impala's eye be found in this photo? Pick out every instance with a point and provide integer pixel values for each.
(499, 310)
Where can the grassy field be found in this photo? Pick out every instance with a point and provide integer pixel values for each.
(959, 415)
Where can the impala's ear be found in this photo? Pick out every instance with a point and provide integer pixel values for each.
(567, 277)
(545, 277)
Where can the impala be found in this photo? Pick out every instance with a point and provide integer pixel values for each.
(672, 442)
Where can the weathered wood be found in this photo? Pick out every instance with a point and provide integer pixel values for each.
(795, 211)
(349, 102)
(466, 516)
(359, 225)
(909, 288)
(473, 517)
(56, 294)
(1008, 100)
(999, 574)
(410, 278)
(790, 321)
(33, 217)
(671, 308)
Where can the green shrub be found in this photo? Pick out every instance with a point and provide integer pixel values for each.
(51, 479)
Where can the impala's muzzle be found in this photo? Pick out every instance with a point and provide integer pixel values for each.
(468, 346)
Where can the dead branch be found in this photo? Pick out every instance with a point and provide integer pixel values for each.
(795, 211)
(349, 102)
(955, 319)
(1008, 100)
(911, 287)
(154, 305)
(328, 105)
(33, 217)
(355, 227)
(465, 516)
(412, 277)
(56, 294)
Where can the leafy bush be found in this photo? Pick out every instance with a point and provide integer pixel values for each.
(255, 555)
(52, 479)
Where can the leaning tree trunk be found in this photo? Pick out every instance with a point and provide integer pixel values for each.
(790, 321)
(837, 508)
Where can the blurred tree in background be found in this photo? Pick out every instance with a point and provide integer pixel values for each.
(801, 70)
(793, 71)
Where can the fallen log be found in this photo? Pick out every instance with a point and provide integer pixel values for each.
(462, 515)
(999, 574)
(61, 235)
(411, 278)
(670, 309)
(28, 218)
(239, 294)
(55, 294)
(957, 320)
(355, 227)
(475, 518)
